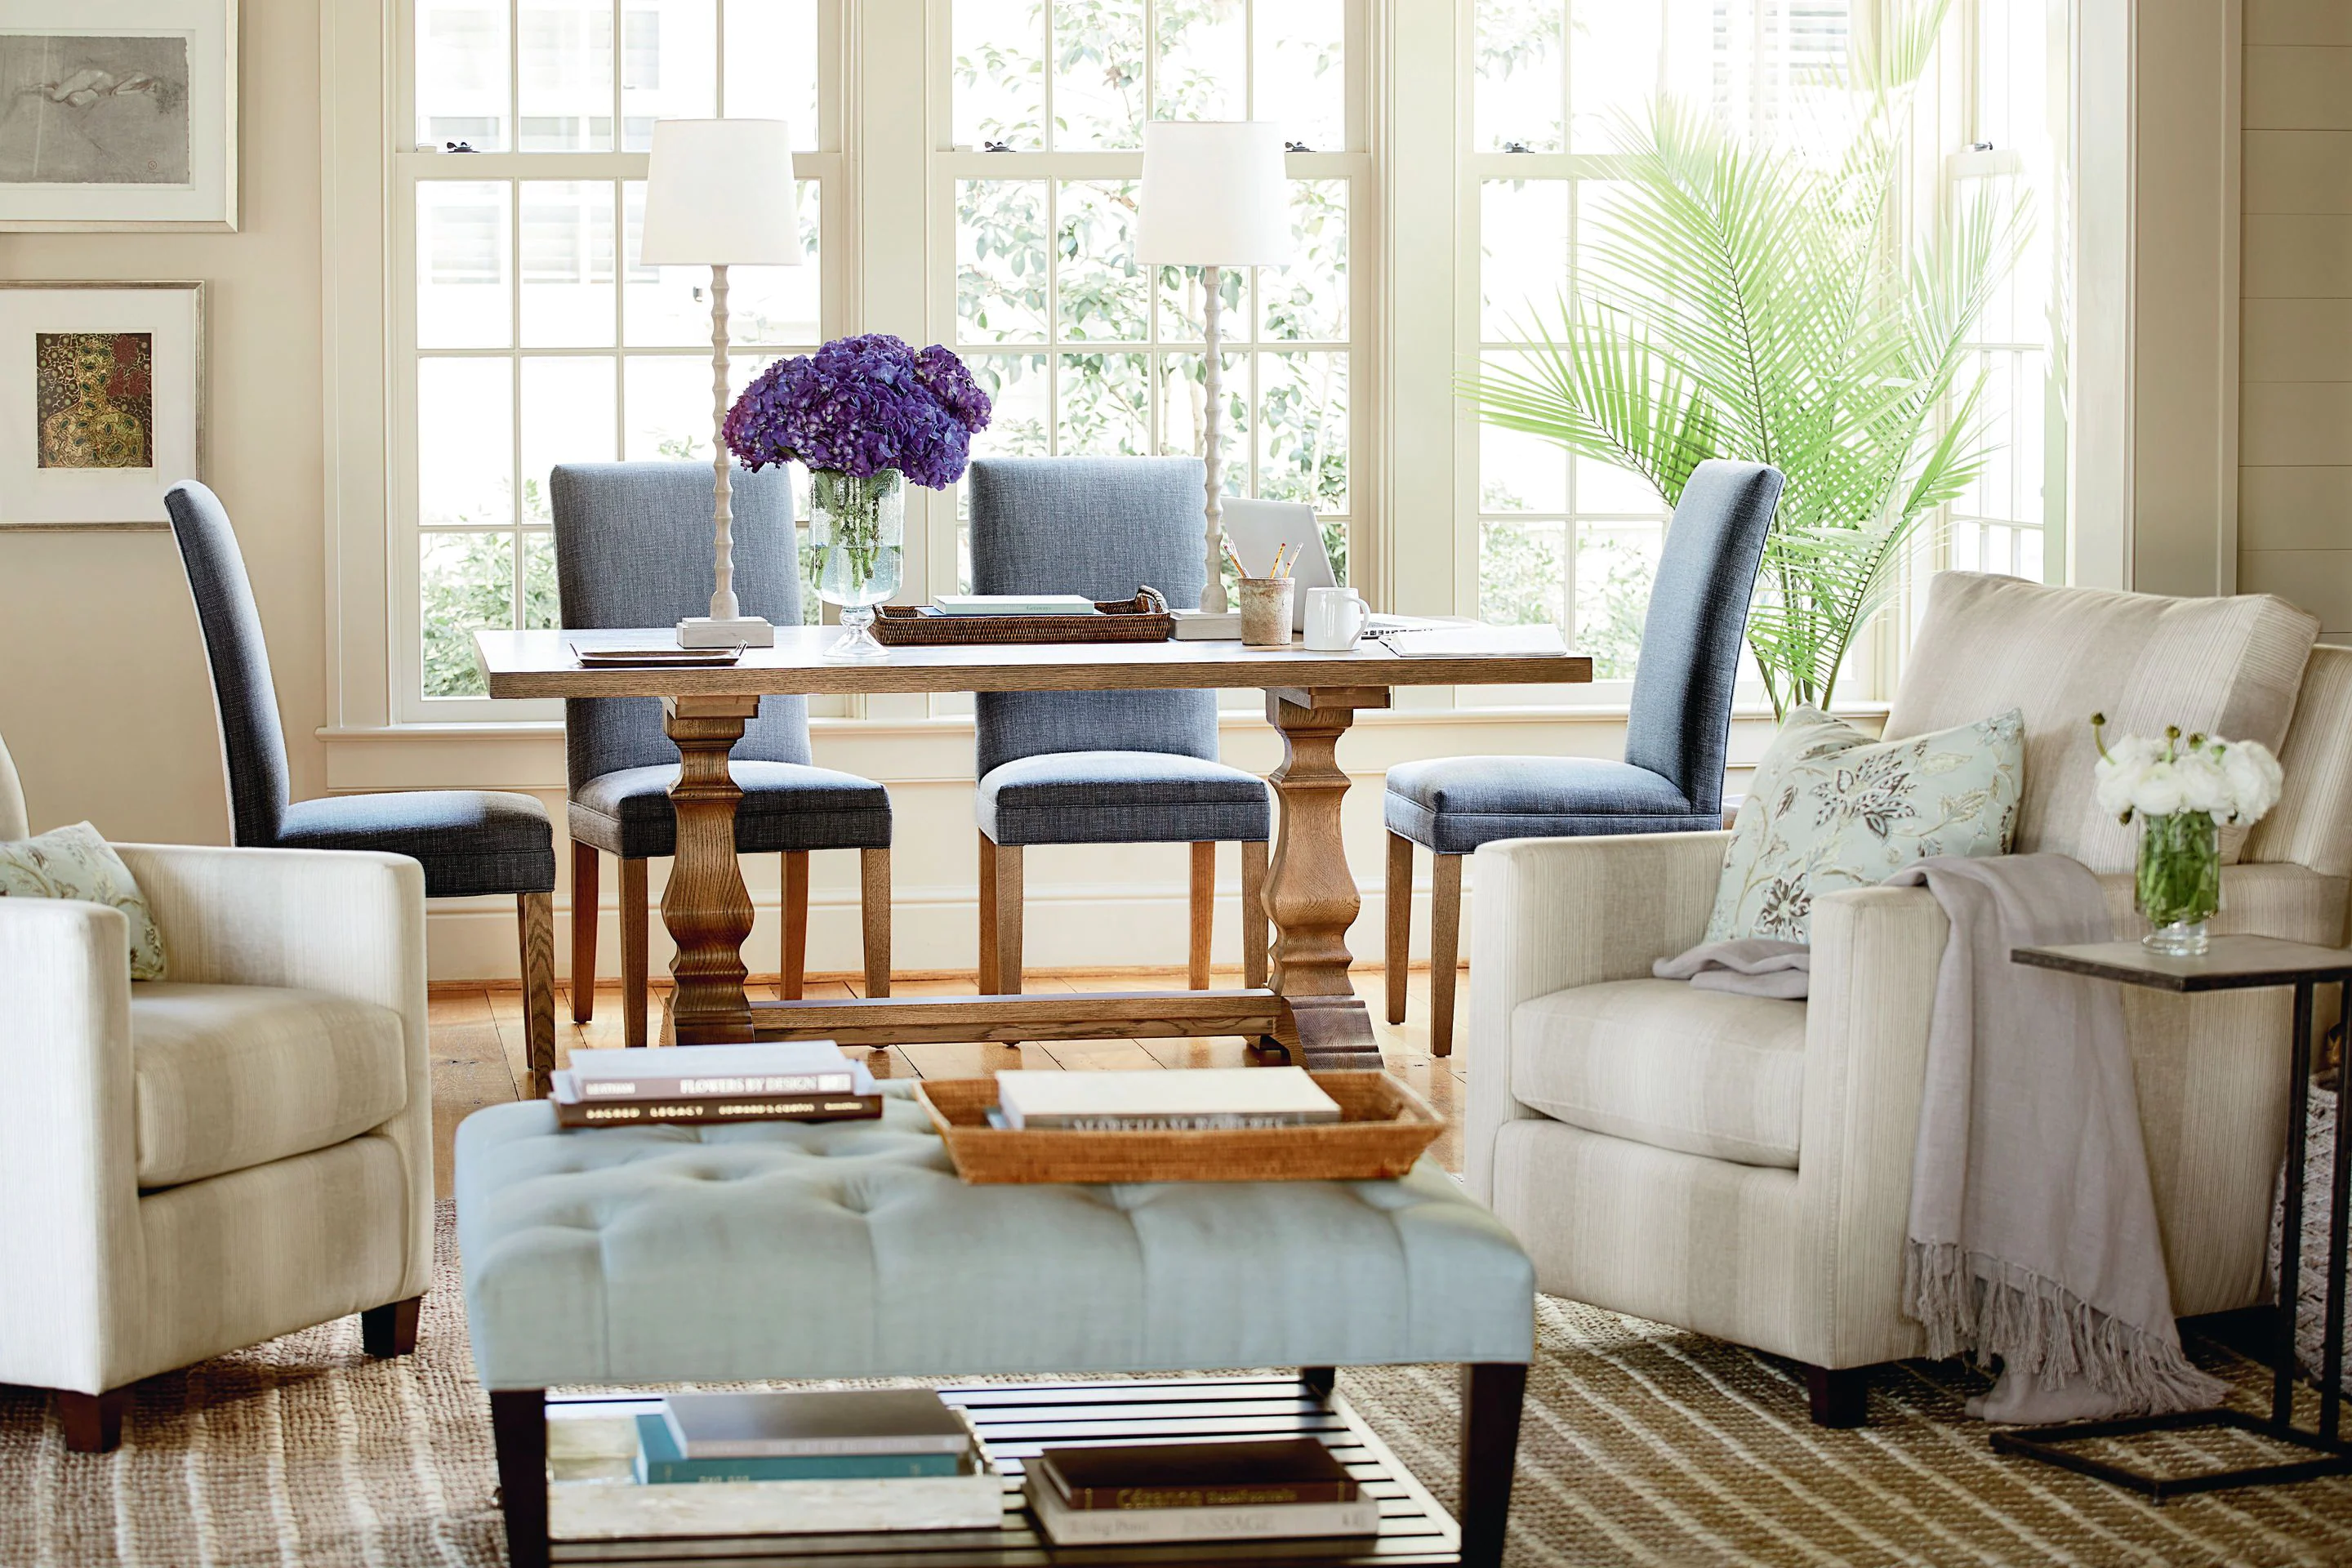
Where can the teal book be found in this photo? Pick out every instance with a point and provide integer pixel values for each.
(659, 1463)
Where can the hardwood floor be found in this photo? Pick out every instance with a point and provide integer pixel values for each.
(479, 1055)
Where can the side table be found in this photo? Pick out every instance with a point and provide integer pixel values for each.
(2233, 963)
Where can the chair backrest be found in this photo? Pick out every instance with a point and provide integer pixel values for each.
(244, 696)
(633, 549)
(14, 823)
(1103, 527)
(2229, 666)
(1679, 723)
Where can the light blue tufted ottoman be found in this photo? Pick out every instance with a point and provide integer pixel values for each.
(850, 1249)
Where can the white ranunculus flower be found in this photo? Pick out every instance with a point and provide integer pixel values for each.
(2203, 784)
(2119, 774)
(2255, 778)
(2158, 792)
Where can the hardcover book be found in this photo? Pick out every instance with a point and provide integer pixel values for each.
(1266, 1096)
(704, 1108)
(1197, 1475)
(792, 1067)
(852, 1421)
(1275, 1521)
(659, 1463)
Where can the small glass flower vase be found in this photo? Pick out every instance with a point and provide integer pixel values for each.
(2179, 882)
(858, 528)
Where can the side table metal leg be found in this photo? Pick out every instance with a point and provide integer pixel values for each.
(2289, 1274)
(2339, 1230)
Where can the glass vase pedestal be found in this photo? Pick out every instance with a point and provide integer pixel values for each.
(857, 639)
(857, 527)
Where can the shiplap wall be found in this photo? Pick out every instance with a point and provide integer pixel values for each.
(2294, 498)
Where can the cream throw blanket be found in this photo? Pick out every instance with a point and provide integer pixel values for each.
(2034, 1234)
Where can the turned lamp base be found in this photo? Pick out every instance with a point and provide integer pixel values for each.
(738, 631)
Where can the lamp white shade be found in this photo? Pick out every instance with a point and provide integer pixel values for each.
(719, 193)
(1215, 194)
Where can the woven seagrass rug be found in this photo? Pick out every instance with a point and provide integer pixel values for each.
(1641, 1445)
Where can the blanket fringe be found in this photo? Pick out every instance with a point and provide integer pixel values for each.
(1971, 1303)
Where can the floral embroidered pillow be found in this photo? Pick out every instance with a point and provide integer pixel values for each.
(1830, 808)
(76, 863)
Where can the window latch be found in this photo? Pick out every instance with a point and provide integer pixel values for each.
(458, 147)
(996, 147)
(1296, 147)
(1980, 146)
(1517, 147)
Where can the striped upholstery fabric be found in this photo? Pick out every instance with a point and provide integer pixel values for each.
(1663, 1063)
(13, 823)
(2229, 667)
(2312, 823)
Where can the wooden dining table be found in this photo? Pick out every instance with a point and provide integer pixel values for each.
(1309, 1009)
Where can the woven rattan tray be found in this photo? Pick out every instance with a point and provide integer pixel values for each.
(1143, 618)
(1383, 1129)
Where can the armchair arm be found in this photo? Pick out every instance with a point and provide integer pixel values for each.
(343, 922)
(1876, 952)
(1557, 912)
(71, 1268)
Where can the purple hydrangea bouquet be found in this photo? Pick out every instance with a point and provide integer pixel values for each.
(866, 415)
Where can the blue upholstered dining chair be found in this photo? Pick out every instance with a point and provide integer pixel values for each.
(471, 842)
(1102, 767)
(633, 549)
(1675, 734)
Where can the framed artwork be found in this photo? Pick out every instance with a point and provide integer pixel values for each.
(118, 114)
(101, 397)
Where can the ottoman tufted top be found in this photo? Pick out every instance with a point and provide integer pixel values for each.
(851, 1249)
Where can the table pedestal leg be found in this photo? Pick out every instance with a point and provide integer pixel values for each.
(1310, 894)
(706, 905)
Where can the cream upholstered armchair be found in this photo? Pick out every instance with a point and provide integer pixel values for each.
(1742, 1166)
(201, 1162)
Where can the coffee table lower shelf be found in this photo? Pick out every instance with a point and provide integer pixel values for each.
(1016, 1420)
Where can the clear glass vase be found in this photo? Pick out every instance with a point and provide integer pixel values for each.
(2178, 884)
(858, 528)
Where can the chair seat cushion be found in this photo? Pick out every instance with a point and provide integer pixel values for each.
(469, 842)
(785, 806)
(1454, 804)
(1663, 1063)
(228, 1076)
(851, 1249)
(1122, 797)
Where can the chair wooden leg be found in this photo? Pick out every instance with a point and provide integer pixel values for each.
(535, 924)
(93, 1422)
(873, 905)
(1397, 897)
(1839, 1396)
(391, 1329)
(1008, 919)
(988, 974)
(586, 862)
(1204, 902)
(1444, 945)
(1491, 1395)
(636, 915)
(1253, 938)
(794, 968)
(519, 1429)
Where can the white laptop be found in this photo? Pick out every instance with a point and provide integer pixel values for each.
(1256, 528)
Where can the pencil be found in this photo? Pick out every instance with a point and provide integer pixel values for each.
(1233, 555)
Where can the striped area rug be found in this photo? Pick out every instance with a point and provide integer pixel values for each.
(1642, 1445)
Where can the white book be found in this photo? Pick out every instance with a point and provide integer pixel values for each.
(1273, 1521)
(783, 1066)
(1476, 642)
(1029, 1099)
(1015, 605)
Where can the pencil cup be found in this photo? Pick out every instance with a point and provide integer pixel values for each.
(1265, 611)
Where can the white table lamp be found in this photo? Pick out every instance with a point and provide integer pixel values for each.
(719, 193)
(1216, 194)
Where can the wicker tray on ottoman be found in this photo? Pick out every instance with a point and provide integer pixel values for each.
(1382, 1129)
(1143, 618)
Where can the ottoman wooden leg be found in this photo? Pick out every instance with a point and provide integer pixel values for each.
(519, 1426)
(1322, 1379)
(93, 1422)
(1491, 1392)
(391, 1329)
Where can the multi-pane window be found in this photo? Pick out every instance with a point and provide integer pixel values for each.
(1085, 349)
(532, 335)
(1554, 86)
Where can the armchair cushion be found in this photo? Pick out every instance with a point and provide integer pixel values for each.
(228, 1076)
(76, 863)
(1663, 1063)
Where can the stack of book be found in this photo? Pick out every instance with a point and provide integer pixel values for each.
(1203, 1100)
(1276, 1489)
(1014, 604)
(801, 1081)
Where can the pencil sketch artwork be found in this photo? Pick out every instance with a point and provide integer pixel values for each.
(93, 111)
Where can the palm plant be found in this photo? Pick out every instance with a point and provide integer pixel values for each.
(1745, 302)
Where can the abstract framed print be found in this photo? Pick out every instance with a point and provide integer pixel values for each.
(101, 401)
(118, 114)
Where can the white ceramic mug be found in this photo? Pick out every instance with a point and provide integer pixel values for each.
(1335, 619)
